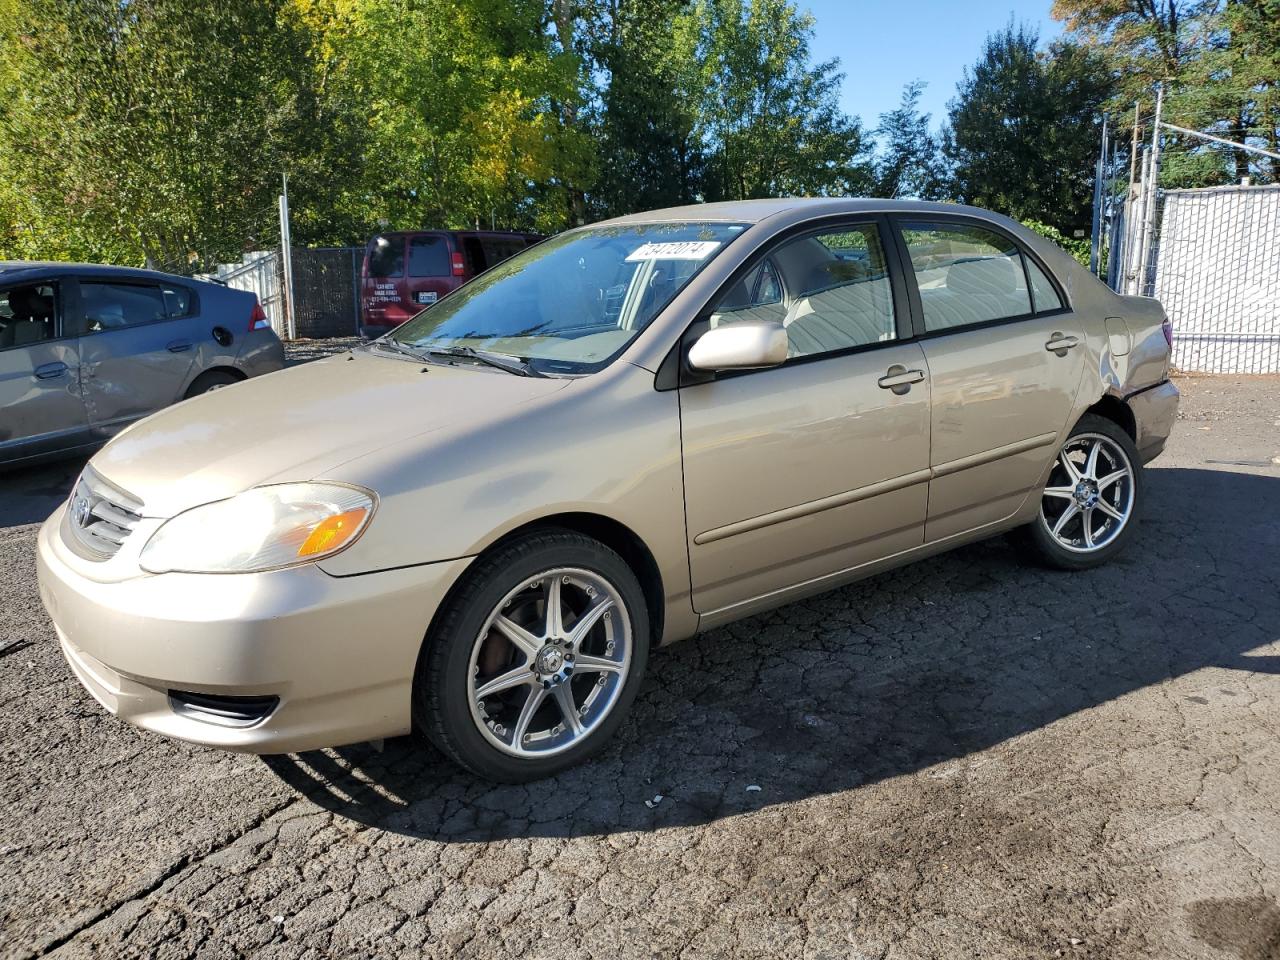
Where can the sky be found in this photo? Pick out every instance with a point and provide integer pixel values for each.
(884, 45)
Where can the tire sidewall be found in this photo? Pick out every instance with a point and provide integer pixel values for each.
(1059, 556)
(443, 683)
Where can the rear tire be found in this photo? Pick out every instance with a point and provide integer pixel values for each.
(513, 694)
(210, 380)
(1089, 506)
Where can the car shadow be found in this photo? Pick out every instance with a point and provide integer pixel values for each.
(31, 494)
(890, 676)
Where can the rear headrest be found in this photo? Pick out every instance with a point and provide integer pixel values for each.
(983, 275)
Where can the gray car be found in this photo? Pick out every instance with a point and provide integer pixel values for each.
(87, 350)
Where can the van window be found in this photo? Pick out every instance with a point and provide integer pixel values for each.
(386, 257)
(428, 257)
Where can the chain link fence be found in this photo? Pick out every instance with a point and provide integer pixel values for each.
(326, 289)
(1212, 258)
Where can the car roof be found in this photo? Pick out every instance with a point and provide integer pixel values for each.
(755, 211)
(11, 270)
(456, 233)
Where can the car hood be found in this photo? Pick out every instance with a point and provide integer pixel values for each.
(301, 423)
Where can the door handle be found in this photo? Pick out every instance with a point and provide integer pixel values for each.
(177, 346)
(1060, 343)
(899, 379)
(51, 371)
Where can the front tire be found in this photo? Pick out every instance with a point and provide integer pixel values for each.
(1088, 508)
(535, 658)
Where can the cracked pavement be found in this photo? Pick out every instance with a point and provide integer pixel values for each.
(965, 757)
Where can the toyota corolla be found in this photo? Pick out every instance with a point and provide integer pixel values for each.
(629, 434)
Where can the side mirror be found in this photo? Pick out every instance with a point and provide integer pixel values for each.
(744, 345)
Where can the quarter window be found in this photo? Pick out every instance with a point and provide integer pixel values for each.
(1043, 293)
(831, 291)
(113, 306)
(177, 301)
(966, 275)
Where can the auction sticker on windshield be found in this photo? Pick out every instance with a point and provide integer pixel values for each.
(684, 250)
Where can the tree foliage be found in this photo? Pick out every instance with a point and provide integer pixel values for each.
(1025, 127)
(908, 162)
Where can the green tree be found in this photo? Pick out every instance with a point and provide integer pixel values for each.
(1024, 129)
(770, 118)
(152, 130)
(907, 161)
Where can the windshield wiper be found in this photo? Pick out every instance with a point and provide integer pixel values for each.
(396, 346)
(502, 361)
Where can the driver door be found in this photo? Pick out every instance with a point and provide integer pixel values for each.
(797, 474)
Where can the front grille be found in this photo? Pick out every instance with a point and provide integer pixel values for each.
(100, 517)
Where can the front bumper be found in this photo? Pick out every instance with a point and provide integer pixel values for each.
(338, 652)
(1154, 412)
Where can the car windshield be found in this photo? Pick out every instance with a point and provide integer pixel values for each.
(572, 303)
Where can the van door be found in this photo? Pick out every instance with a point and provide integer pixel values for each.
(134, 356)
(430, 273)
(41, 408)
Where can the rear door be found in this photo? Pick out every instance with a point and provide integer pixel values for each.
(135, 355)
(1006, 360)
(41, 409)
(430, 271)
(383, 282)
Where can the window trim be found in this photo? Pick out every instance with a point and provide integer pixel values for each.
(674, 372)
(82, 326)
(60, 325)
(898, 223)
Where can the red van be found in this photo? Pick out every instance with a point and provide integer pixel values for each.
(411, 269)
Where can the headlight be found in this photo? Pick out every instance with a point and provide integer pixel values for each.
(262, 529)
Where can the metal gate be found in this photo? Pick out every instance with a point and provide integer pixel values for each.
(326, 290)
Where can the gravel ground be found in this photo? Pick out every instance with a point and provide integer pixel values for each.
(964, 758)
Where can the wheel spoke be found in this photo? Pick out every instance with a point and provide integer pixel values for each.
(1109, 510)
(1091, 464)
(531, 704)
(555, 612)
(1086, 521)
(564, 699)
(522, 639)
(1111, 478)
(505, 681)
(585, 663)
(1065, 493)
(1070, 467)
(588, 620)
(1063, 520)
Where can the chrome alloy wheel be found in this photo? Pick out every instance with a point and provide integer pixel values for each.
(1090, 494)
(550, 662)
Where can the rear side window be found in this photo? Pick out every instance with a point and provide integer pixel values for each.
(428, 257)
(386, 257)
(177, 301)
(966, 275)
(114, 306)
(497, 249)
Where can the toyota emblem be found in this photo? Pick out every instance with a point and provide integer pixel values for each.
(80, 511)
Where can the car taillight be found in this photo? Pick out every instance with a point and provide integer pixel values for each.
(258, 319)
(1167, 327)
(459, 268)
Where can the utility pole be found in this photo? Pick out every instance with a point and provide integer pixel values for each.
(286, 261)
(1151, 195)
(1099, 172)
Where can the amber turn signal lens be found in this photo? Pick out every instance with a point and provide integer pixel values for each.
(332, 533)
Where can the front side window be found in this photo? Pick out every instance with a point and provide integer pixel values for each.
(966, 275)
(831, 291)
(569, 305)
(114, 306)
(27, 314)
